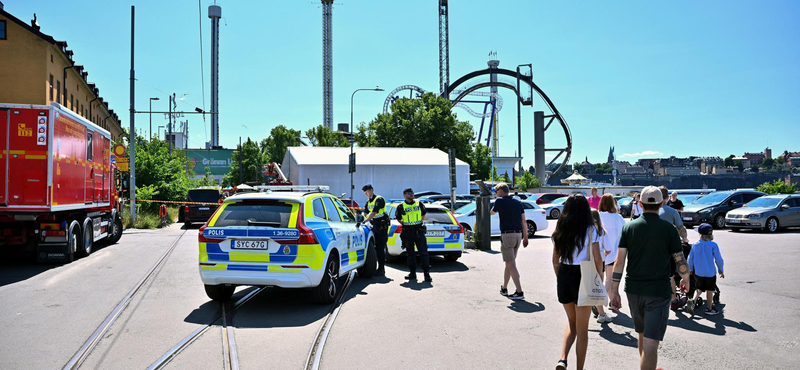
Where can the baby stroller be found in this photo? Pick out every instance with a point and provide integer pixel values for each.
(682, 298)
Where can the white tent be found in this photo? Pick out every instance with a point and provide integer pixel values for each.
(389, 170)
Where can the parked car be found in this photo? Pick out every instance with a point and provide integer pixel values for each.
(458, 204)
(688, 198)
(436, 198)
(554, 208)
(534, 214)
(625, 206)
(444, 235)
(769, 213)
(193, 212)
(545, 198)
(283, 239)
(421, 194)
(713, 207)
(351, 204)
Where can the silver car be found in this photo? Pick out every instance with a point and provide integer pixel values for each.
(769, 213)
(554, 208)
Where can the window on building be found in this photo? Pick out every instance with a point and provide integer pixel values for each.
(71, 102)
(58, 92)
(51, 88)
(2, 30)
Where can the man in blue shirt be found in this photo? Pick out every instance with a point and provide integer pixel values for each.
(513, 229)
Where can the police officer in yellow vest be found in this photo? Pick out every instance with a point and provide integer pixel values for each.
(376, 213)
(411, 214)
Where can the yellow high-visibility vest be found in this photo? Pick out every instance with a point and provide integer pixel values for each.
(412, 214)
(371, 207)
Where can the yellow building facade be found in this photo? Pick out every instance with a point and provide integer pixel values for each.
(37, 69)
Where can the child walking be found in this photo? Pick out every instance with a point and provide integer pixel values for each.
(702, 260)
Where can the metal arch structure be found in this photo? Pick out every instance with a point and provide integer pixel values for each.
(566, 151)
(413, 88)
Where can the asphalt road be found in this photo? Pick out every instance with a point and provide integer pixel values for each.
(459, 321)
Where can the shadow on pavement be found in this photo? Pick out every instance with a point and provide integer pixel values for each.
(438, 264)
(16, 267)
(626, 336)
(194, 226)
(526, 307)
(721, 324)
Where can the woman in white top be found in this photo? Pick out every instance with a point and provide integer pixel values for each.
(636, 209)
(612, 224)
(574, 238)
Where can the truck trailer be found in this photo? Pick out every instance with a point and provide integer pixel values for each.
(59, 193)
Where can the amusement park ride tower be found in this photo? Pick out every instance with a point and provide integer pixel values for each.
(493, 64)
(327, 64)
(215, 13)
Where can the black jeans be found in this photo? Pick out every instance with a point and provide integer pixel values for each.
(381, 236)
(410, 237)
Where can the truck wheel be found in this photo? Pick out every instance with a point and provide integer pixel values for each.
(220, 292)
(325, 292)
(87, 231)
(73, 235)
(116, 231)
(452, 257)
(370, 262)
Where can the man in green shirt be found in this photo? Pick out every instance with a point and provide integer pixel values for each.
(648, 242)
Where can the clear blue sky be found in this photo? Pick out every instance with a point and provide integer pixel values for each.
(678, 78)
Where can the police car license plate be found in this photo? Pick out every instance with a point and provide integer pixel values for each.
(251, 244)
(204, 208)
(435, 234)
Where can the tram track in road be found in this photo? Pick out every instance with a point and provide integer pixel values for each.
(230, 356)
(315, 353)
(86, 349)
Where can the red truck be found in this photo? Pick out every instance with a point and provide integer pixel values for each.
(59, 195)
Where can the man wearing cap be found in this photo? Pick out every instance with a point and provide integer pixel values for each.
(648, 243)
(376, 213)
(411, 214)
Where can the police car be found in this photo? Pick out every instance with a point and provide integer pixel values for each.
(445, 236)
(283, 239)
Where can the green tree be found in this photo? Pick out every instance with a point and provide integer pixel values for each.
(323, 136)
(206, 180)
(427, 122)
(739, 165)
(163, 173)
(252, 159)
(505, 178)
(602, 168)
(279, 139)
(777, 187)
(527, 181)
(768, 163)
(728, 161)
(480, 163)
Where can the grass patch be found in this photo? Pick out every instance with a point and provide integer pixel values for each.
(148, 220)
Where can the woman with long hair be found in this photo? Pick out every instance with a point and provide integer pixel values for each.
(574, 238)
(609, 243)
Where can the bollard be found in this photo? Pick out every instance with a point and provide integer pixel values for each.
(483, 221)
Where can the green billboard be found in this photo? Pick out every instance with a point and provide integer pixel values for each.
(217, 160)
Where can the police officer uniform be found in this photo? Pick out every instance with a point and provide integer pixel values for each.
(380, 225)
(410, 214)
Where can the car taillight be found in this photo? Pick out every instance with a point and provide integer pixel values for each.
(306, 234)
(202, 238)
(460, 230)
(399, 229)
(186, 209)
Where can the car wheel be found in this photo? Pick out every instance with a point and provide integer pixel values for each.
(88, 238)
(719, 221)
(220, 292)
(452, 257)
(554, 213)
(772, 225)
(623, 212)
(370, 262)
(468, 234)
(326, 291)
(531, 229)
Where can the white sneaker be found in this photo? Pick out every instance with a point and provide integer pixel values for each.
(604, 319)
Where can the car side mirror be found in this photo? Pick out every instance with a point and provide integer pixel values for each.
(359, 218)
(785, 206)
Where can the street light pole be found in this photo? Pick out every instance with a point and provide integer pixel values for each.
(151, 117)
(352, 136)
